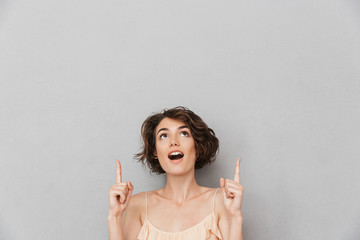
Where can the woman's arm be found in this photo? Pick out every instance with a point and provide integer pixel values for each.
(119, 199)
(235, 231)
(230, 217)
(230, 227)
(115, 228)
(128, 227)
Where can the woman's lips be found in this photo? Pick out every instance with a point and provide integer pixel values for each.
(175, 155)
(176, 160)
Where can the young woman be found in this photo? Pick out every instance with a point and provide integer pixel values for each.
(176, 142)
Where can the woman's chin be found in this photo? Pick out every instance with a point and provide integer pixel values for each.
(179, 171)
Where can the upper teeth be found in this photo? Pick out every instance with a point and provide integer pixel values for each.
(175, 153)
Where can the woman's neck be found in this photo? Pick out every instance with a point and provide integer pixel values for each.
(180, 188)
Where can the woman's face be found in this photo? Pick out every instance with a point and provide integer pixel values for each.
(175, 146)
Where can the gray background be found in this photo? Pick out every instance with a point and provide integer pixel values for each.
(277, 80)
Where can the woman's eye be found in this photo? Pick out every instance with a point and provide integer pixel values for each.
(162, 136)
(185, 133)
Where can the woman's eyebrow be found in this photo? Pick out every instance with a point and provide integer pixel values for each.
(164, 129)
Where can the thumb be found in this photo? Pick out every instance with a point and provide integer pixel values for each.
(131, 188)
(223, 188)
(222, 182)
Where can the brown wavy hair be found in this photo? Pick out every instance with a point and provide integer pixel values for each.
(206, 143)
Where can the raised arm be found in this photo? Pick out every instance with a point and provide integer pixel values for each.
(119, 198)
(231, 221)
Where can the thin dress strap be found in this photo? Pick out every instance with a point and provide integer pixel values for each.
(146, 204)
(214, 199)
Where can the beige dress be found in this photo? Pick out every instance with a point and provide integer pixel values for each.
(204, 230)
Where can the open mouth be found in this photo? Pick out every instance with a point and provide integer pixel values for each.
(176, 155)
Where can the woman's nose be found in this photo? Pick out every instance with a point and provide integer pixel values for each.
(174, 142)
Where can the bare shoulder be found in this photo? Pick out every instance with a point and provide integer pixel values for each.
(208, 190)
(137, 199)
(209, 193)
(136, 207)
(219, 203)
(132, 217)
(216, 196)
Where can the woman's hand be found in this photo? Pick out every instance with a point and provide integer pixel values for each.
(233, 192)
(119, 194)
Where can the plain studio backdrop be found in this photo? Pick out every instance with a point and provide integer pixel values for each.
(278, 81)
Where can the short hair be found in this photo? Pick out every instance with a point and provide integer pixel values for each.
(206, 143)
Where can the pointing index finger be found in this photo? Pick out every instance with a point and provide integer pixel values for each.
(118, 172)
(237, 171)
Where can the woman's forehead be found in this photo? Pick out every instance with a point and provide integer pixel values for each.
(170, 123)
